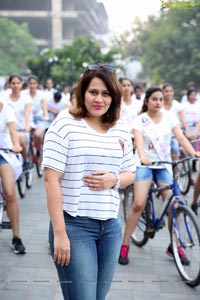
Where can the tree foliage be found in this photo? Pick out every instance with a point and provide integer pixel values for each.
(168, 47)
(15, 44)
(66, 65)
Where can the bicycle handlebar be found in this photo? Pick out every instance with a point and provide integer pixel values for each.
(175, 162)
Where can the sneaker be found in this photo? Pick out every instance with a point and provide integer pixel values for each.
(123, 257)
(26, 166)
(184, 260)
(17, 246)
(194, 207)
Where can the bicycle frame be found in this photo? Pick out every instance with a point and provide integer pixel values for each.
(170, 200)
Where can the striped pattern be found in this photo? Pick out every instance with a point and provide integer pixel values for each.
(75, 149)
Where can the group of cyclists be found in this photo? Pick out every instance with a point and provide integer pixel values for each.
(157, 123)
(22, 111)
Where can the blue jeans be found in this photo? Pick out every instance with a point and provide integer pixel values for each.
(95, 247)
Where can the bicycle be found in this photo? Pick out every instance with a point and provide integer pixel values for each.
(184, 230)
(36, 153)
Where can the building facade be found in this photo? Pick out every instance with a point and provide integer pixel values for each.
(54, 23)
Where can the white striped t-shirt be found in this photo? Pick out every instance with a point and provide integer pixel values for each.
(72, 147)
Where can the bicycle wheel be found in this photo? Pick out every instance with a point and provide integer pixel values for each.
(185, 232)
(138, 237)
(21, 185)
(184, 175)
(29, 173)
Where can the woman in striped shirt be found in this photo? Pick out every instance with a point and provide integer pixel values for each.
(87, 156)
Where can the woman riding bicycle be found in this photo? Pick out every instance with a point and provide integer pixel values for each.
(152, 130)
(9, 140)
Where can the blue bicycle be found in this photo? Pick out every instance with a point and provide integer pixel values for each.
(184, 228)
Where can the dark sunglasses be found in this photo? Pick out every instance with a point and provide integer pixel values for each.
(95, 67)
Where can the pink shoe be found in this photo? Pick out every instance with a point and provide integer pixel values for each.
(123, 257)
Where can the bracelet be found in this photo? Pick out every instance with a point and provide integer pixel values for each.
(117, 184)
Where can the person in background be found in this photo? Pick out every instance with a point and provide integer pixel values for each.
(153, 130)
(138, 94)
(130, 108)
(49, 90)
(66, 96)
(21, 105)
(87, 157)
(176, 108)
(39, 113)
(9, 140)
(54, 106)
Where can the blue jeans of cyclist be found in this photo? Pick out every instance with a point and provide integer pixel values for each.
(95, 247)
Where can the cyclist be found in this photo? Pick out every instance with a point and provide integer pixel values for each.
(21, 106)
(176, 108)
(192, 116)
(129, 108)
(39, 113)
(152, 132)
(8, 163)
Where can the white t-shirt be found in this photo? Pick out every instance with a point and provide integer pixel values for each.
(73, 148)
(52, 104)
(175, 109)
(49, 94)
(129, 113)
(192, 114)
(36, 107)
(6, 116)
(18, 108)
(163, 128)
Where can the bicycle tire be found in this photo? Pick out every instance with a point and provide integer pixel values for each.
(29, 174)
(184, 175)
(21, 185)
(38, 163)
(138, 237)
(185, 223)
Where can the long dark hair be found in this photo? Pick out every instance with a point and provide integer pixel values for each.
(148, 94)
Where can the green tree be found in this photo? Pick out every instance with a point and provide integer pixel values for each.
(168, 47)
(66, 65)
(15, 44)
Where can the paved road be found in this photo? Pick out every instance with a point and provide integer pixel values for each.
(151, 274)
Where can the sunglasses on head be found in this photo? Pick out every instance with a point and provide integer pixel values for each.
(95, 67)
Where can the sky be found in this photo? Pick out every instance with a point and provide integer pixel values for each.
(121, 13)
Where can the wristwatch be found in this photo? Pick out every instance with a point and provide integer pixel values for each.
(117, 184)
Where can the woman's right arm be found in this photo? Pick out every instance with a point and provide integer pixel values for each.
(54, 203)
(139, 142)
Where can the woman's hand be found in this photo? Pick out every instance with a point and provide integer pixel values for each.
(197, 154)
(16, 148)
(100, 180)
(61, 249)
(145, 161)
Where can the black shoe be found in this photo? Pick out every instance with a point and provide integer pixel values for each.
(26, 166)
(194, 207)
(17, 246)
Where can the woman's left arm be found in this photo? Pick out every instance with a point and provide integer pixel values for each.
(27, 114)
(45, 110)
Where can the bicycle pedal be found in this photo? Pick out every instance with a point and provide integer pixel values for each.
(6, 225)
(150, 232)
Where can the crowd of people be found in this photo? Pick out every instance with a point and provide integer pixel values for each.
(101, 135)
